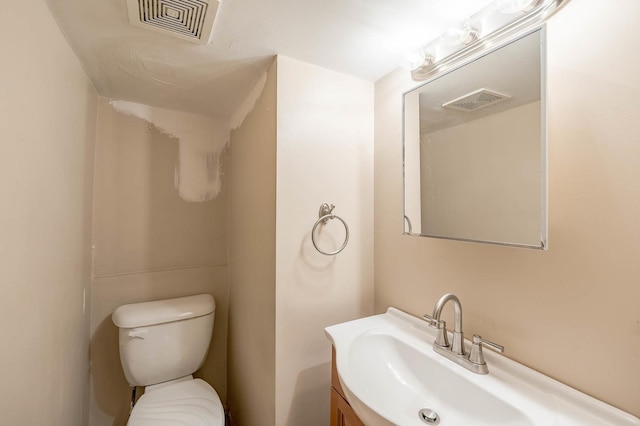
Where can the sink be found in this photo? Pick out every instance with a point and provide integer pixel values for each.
(389, 373)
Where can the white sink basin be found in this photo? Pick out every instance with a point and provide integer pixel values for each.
(389, 372)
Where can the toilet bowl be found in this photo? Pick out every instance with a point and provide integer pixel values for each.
(191, 402)
(162, 343)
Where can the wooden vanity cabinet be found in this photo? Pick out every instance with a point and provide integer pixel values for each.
(341, 412)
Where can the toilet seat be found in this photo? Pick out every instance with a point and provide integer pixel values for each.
(184, 403)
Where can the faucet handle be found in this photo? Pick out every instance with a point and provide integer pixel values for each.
(494, 346)
(432, 321)
(478, 342)
(441, 338)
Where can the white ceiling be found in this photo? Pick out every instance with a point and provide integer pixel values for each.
(364, 38)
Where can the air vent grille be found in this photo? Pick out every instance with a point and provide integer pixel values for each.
(188, 19)
(475, 100)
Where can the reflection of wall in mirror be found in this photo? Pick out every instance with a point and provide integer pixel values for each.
(412, 207)
(486, 184)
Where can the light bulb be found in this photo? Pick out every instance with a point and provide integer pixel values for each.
(516, 6)
(465, 33)
(413, 59)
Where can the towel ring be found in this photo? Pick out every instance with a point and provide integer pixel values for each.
(325, 215)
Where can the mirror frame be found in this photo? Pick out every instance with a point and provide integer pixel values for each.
(544, 214)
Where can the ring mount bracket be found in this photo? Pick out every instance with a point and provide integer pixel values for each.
(325, 210)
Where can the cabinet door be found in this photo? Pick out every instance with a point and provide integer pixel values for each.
(341, 412)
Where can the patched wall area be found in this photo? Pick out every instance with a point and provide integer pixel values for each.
(150, 243)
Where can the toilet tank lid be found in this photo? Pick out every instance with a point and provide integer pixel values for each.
(163, 311)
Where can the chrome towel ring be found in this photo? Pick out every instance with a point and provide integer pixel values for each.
(325, 215)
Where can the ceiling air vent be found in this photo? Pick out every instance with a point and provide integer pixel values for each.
(187, 19)
(475, 100)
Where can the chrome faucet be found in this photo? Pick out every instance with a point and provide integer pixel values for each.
(457, 347)
(456, 351)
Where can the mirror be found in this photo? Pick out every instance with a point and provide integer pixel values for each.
(475, 149)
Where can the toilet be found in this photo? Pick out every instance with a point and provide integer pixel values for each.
(162, 343)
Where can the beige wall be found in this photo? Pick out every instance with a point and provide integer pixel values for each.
(325, 155)
(571, 312)
(148, 244)
(252, 221)
(481, 178)
(47, 123)
(308, 141)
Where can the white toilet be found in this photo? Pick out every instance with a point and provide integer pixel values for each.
(162, 343)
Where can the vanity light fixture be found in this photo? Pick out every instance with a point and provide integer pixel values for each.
(498, 21)
(516, 6)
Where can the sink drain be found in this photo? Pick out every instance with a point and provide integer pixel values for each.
(429, 416)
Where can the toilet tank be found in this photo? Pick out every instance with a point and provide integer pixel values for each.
(164, 339)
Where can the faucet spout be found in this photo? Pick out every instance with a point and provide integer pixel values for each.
(457, 346)
(457, 310)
